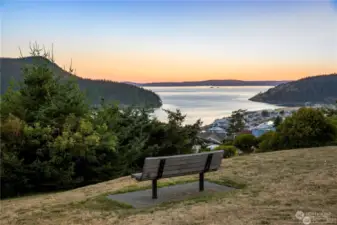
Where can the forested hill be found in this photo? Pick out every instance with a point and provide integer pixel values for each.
(316, 89)
(124, 94)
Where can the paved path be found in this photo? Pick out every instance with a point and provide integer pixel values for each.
(143, 199)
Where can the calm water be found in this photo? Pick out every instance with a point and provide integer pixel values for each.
(208, 103)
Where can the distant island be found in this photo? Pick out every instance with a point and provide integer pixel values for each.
(214, 83)
(321, 89)
(95, 90)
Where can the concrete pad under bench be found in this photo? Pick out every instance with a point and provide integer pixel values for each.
(142, 199)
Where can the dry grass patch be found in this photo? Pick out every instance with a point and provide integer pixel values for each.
(278, 185)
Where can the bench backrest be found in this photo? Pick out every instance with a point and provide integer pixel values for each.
(179, 165)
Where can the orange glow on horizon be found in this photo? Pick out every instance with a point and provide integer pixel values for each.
(157, 69)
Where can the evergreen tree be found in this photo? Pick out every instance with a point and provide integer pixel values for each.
(236, 121)
(277, 121)
(264, 113)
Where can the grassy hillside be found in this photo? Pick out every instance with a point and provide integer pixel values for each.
(277, 185)
(316, 89)
(125, 94)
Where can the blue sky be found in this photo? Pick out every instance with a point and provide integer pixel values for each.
(179, 40)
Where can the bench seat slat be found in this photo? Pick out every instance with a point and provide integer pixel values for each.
(153, 165)
(137, 176)
(175, 175)
(182, 173)
(184, 165)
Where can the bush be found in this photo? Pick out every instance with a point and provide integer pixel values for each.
(229, 150)
(205, 150)
(269, 141)
(245, 142)
(227, 142)
(333, 143)
(333, 120)
(307, 127)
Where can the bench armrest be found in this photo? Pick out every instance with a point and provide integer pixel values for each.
(137, 176)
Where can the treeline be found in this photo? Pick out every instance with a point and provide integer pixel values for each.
(121, 93)
(95, 90)
(52, 139)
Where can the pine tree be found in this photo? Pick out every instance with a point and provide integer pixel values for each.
(236, 122)
(277, 121)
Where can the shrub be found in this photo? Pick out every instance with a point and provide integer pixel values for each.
(333, 143)
(205, 150)
(227, 142)
(229, 150)
(307, 127)
(269, 141)
(245, 142)
(333, 120)
(264, 136)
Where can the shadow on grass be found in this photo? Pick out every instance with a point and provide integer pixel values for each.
(201, 197)
(102, 203)
(133, 188)
(206, 196)
(222, 181)
(228, 182)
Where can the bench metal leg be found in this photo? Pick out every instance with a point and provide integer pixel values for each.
(201, 181)
(154, 189)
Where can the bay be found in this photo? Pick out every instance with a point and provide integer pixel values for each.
(207, 103)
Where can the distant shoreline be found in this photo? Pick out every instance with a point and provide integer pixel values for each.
(211, 83)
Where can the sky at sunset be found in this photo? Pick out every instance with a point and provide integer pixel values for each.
(145, 41)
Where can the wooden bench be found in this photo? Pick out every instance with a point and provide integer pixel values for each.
(156, 168)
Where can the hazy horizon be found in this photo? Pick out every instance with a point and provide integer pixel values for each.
(198, 81)
(174, 41)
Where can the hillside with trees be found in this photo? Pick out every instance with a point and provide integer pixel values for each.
(95, 90)
(52, 139)
(316, 89)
